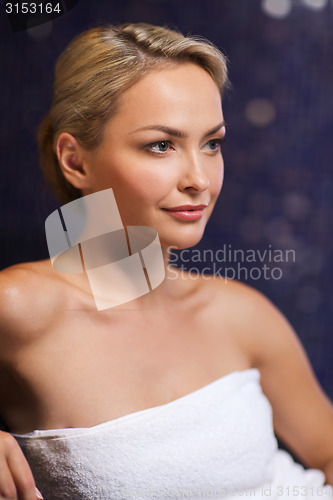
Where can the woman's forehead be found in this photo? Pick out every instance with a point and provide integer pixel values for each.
(171, 96)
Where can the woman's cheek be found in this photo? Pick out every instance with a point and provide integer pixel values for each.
(162, 177)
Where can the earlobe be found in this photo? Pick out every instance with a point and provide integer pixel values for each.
(71, 158)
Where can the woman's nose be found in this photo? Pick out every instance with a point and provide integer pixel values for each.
(193, 174)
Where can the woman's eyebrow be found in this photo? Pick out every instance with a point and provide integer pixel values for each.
(216, 129)
(177, 133)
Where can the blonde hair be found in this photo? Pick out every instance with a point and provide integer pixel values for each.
(96, 68)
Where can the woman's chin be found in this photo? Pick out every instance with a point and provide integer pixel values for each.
(181, 241)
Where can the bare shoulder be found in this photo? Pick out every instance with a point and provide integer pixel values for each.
(29, 298)
(263, 329)
(236, 296)
(270, 333)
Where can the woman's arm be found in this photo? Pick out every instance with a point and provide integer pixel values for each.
(18, 323)
(302, 413)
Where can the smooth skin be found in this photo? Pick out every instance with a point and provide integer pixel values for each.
(59, 357)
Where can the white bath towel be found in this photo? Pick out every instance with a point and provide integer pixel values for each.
(216, 442)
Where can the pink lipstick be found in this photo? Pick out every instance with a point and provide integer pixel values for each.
(188, 213)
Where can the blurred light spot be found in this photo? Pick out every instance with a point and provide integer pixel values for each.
(315, 4)
(276, 8)
(308, 299)
(40, 32)
(296, 206)
(251, 229)
(279, 232)
(260, 112)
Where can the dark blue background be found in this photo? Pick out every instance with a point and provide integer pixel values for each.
(278, 180)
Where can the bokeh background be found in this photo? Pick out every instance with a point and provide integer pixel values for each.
(278, 185)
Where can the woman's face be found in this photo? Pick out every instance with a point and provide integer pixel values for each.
(161, 154)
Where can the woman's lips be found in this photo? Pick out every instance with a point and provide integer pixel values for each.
(187, 212)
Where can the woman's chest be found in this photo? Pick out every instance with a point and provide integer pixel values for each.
(80, 376)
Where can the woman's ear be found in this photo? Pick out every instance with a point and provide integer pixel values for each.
(72, 160)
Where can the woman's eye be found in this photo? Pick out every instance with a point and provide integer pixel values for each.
(159, 146)
(215, 144)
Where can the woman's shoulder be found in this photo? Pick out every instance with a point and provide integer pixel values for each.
(29, 299)
(231, 293)
(259, 325)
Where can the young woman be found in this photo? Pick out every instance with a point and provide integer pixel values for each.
(165, 395)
